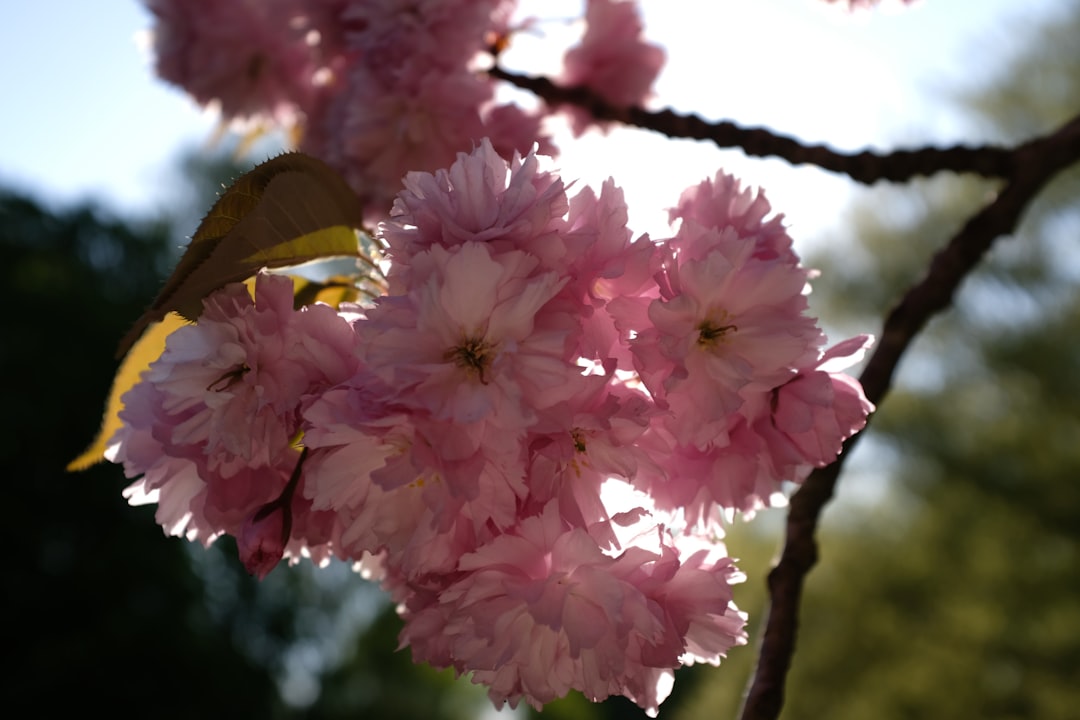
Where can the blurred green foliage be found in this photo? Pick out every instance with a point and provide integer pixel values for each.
(99, 611)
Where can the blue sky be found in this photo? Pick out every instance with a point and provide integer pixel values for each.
(86, 118)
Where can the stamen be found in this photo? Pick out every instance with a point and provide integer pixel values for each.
(228, 379)
(579, 439)
(474, 355)
(710, 331)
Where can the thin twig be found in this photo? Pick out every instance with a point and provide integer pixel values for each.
(865, 167)
(1035, 163)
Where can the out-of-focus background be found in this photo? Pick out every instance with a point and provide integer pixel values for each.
(950, 560)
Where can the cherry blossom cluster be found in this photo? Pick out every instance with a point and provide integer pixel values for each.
(378, 88)
(532, 440)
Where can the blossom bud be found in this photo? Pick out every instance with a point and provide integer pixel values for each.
(261, 543)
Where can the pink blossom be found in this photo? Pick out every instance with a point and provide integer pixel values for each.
(254, 58)
(437, 34)
(521, 206)
(774, 438)
(262, 540)
(731, 317)
(612, 59)
(707, 486)
(375, 132)
(465, 337)
(821, 407)
(386, 500)
(224, 401)
(463, 355)
(376, 88)
(513, 130)
(583, 442)
(610, 276)
(543, 609)
(726, 325)
(534, 440)
(722, 203)
(515, 205)
(405, 95)
(235, 381)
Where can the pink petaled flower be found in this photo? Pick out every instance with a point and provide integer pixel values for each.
(709, 485)
(514, 131)
(464, 353)
(518, 206)
(480, 198)
(612, 59)
(581, 443)
(462, 344)
(405, 95)
(543, 609)
(254, 58)
(362, 470)
(610, 276)
(238, 377)
(774, 437)
(262, 540)
(439, 34)
(193, 500)
(375, 132)
(172, 483)
(226, 396)
(286, 526)
(821, 407)
(723, 203)
(727, 325)
(692, 582)
(730, 318)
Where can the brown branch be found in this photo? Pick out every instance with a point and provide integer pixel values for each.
(865, 167)
(1035, 163)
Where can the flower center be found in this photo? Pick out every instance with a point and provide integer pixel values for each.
(712, 332)
(228, 379)
(474, 355)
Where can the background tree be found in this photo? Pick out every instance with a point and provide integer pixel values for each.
(99, 611)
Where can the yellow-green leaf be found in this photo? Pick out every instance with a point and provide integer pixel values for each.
(289, 210)
(333, 291)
